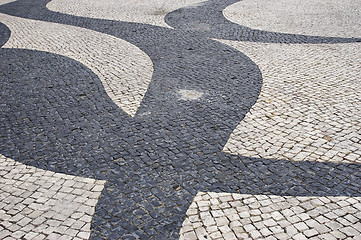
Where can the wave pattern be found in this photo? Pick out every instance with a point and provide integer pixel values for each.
(58, 117)
(124, 70)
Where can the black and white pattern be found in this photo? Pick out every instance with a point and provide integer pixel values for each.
(56, 115)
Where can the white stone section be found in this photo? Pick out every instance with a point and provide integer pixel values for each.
(331, 18)
(2, 2)
(39, 204)
(124, 70)
(309, 105)
(140, 11)
(240, 216)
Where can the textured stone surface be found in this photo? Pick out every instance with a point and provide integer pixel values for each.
(240, 216)
(56, 114)
(38, 204)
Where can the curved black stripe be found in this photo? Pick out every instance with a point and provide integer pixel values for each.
(54, 113)
(58, 117)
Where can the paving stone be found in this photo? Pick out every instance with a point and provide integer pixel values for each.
(31, 235)
(350, 231)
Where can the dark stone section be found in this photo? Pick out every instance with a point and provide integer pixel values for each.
(4, 34)
(207, 19)
(55, 115)
(49, 112)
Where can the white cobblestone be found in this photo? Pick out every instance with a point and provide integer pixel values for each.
(46, 216)
(217, 224)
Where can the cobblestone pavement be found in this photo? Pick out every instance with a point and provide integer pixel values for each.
(180, 119)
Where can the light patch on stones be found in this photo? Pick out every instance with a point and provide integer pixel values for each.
(232, 216)
(202, 27)
(39, 204)
(189, 94)
(124, 70)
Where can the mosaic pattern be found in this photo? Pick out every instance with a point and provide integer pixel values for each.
(38, 204)
(57, 114)
(124, 70)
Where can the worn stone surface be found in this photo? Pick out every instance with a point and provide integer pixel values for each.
(56, 114)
